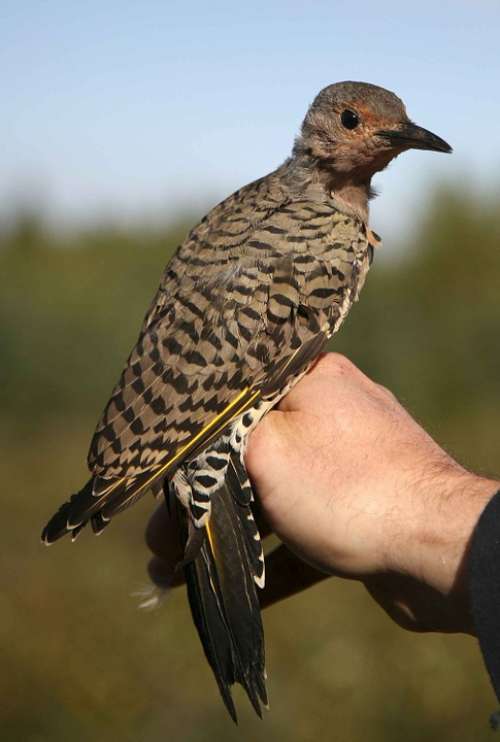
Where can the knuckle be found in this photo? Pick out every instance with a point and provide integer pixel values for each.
(386, 393)
(337, 363)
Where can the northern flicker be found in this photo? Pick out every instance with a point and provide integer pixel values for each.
(243, 309)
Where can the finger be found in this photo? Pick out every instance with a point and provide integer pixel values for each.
(162, 531)
(162, 537)
(419, 607)
(287, 575)
(162, 574)
(162, 534)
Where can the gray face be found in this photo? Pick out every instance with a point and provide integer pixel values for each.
(360, 127)
(368, 100)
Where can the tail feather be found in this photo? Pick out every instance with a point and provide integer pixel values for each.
(223, 565)
(224, 603)
(241, 491)
(209, 618)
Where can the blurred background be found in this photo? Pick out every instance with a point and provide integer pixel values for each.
(122, 124)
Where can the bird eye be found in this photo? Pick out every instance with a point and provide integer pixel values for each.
(349, 119)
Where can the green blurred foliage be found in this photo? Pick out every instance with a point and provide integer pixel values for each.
(80, 661)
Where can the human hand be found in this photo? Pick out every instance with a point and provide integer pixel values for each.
(356, 488)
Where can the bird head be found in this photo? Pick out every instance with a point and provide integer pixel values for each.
(356, 129)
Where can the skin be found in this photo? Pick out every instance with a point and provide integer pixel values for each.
(355, 488)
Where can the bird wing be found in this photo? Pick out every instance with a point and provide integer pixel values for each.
(224, 328)
(244, 306)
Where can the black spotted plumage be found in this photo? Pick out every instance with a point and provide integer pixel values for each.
(243, 309)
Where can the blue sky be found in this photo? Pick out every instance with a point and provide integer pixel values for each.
(129, 109)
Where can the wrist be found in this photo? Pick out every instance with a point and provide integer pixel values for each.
(445, 507)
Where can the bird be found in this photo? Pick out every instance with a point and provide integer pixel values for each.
(244, 308)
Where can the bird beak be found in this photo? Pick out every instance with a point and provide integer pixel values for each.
(410, 136)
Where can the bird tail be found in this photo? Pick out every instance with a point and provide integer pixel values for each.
(221, 583)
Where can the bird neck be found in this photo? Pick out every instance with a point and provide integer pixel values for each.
(353, 194)
(303, 172)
